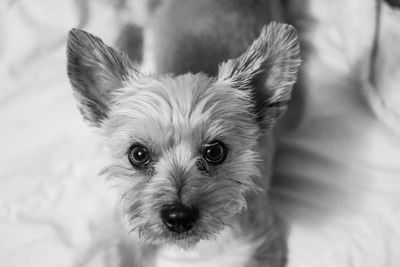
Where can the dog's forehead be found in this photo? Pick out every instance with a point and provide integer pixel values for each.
(168, 110)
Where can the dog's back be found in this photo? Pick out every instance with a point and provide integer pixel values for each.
(195, 36)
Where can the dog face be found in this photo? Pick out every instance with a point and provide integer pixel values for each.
(183, 148)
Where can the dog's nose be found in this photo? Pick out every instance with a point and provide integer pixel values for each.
(179, 218)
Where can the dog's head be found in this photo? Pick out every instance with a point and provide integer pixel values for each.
(183, 147)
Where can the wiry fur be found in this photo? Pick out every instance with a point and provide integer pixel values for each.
(97, 70)
(174, 117)
(272, 60)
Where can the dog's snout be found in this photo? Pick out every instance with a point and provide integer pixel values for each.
(179, 218)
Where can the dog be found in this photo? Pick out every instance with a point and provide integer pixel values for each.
(191, 152)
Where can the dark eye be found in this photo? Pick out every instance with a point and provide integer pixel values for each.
(215, 152)
(138, 156)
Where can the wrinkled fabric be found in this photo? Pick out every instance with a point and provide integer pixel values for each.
(337, 185)
(338, 170)
(54, 210)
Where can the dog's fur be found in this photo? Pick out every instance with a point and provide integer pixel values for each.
(174, 116)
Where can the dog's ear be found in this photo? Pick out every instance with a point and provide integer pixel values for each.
(95, 70)
(268, 68)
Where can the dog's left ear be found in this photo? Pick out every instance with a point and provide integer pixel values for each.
(95, 70)
(268, 68)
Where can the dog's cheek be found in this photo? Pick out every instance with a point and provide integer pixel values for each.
(141, 214)
(219, 196)
(219, 207)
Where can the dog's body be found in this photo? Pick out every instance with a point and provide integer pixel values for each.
(186, 150)
(196, 36)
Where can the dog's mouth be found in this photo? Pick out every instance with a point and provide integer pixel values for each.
(181, 237)
(159, 233)
(186, 240)
(179, 224)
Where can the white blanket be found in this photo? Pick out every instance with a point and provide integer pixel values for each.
(338, 185)
(338, 182)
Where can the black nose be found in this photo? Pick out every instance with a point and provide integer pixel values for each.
(179, 218)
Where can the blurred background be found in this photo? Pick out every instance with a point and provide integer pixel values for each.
(337, 183)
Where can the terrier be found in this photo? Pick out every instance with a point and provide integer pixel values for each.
(191, 154)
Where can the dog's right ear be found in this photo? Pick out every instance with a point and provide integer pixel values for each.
(267, 70)
(95, 70)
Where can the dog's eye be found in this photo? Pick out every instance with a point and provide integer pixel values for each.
(138, 156)
(215, 152)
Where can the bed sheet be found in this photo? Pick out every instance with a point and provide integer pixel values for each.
(338, 187)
